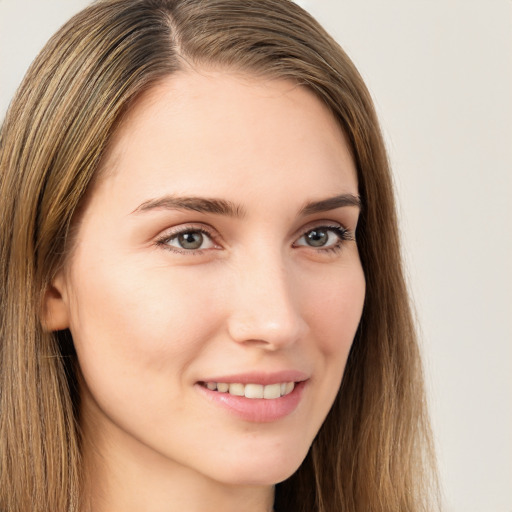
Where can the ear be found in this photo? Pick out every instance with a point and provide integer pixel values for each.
(55, 314)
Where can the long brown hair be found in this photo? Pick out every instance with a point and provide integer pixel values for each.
(373, 452)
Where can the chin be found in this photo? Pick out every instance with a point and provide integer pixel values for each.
(262, 470)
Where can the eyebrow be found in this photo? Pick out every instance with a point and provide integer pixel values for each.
(331, 203)
(196, 204)
(230, 209)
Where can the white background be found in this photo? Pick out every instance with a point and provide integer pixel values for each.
(441, 75)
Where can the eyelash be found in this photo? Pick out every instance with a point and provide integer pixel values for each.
(343, 234)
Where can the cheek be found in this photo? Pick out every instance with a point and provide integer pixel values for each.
(150, 320)
(334, 309)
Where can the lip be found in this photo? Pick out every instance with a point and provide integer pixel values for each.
(263, 378)
(257, 410)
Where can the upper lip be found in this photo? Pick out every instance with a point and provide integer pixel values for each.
(264, 378)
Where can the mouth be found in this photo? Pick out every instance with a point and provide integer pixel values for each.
(255, 401)
(252, 391)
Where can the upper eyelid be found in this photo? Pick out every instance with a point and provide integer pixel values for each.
(322, 223)
(183, 228)
(209, 230)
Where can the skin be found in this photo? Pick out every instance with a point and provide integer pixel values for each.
(150, 319)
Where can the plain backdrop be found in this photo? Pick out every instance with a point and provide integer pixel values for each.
(440, 72)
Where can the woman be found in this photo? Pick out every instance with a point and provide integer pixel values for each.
(203, 306)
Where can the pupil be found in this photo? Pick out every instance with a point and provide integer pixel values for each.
(317, 237)
(191, 240)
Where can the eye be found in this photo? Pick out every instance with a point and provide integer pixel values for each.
(188, 240)
(324, 237)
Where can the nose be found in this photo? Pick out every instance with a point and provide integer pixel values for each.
(265, 309)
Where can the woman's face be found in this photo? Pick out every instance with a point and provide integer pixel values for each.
(216, 251)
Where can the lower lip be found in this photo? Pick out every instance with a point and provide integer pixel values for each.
(257, 410)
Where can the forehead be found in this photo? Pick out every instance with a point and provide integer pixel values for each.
(217, 131)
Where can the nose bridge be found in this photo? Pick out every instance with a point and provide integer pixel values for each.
(264, 308)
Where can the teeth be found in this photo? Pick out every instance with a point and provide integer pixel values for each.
(253, 391)
(269, 392)
(222, 387)
(289, 387)
(236, 389)
(272, 391)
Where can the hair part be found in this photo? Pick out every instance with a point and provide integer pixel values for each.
(373, 451)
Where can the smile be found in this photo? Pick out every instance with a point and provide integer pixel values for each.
(269, 392)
